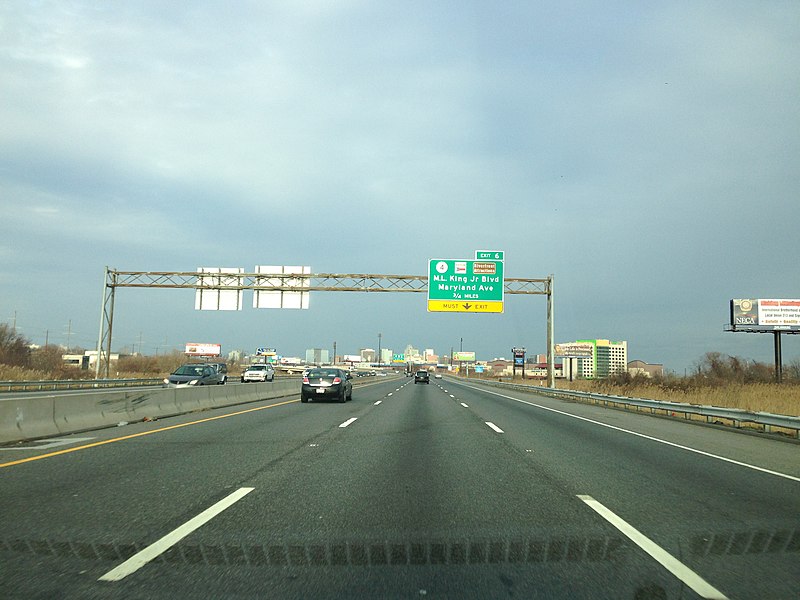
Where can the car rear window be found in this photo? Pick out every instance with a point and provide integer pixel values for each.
(324, 373)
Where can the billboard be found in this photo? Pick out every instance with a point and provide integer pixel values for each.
(758, 314)
(574, 349)
(203, 349)
(464, 356)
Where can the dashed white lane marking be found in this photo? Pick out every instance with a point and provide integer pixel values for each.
(140, 559)
(378, 402)
(348, 422)
(451, 395)
(464, 405)
(664, 558)
(493, 426)
(644, 436)
(389, 394)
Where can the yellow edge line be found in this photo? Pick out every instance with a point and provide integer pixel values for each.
(135, 435)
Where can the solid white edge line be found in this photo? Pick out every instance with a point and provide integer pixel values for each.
(493, 426)
(464, 405)
(348, 422)
(643, 435)
(378, 402)
(664, 558)
(138, 560)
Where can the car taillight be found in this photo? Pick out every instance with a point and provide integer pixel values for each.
(337, 380)
(305, 379)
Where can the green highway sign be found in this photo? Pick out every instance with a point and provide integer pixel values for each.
(398, 357)
(489, 255)
(458, 285)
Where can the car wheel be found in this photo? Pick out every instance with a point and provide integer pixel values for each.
(303, 398)
(350, 397)
(343, 397)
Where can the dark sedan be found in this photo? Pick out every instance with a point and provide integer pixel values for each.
(422, 377)
(194, 375)
(327, 384)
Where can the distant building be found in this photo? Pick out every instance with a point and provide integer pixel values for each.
(639, 367)
(596, 358)
(412, 354)
(367, 355)
(500, 366)
(386, 356)
(318, 356)
(86, 360)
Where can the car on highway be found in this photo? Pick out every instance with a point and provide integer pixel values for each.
(194, 374)
(222, 369)
(327, 383)
(260, 372)
(422, 377)
(437, 376)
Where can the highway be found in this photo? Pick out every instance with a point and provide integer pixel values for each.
(446, 490)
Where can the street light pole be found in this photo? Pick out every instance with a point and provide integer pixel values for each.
(379, 350)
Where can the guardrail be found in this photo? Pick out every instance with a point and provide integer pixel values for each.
(75, 384)
(711, 413)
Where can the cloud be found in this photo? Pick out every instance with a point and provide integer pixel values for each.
(639, 153)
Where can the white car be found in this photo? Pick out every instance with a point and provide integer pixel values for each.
(258, 373)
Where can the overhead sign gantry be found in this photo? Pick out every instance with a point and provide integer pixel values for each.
(285, 287)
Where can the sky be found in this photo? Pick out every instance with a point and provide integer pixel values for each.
(645, 154)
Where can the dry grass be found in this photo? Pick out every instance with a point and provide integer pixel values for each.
(781, 399)
(9, 373)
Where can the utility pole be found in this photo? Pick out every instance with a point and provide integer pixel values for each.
(379, 350)
(334, 353)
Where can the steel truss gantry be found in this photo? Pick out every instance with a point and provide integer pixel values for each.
(294, 282)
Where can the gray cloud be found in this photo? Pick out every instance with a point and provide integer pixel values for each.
(644, 155)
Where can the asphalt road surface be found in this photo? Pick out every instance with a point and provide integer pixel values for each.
(446, 490)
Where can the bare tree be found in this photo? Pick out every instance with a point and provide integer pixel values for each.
(14, 348)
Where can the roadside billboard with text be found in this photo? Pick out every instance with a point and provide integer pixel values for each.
(758, 314)
(464, 356)
(576, 349)
(203, 350)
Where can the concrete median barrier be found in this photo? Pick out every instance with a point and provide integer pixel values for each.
(27, 418)
(58, 414)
